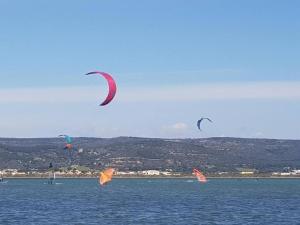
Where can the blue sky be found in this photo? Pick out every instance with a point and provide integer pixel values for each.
(163, 54)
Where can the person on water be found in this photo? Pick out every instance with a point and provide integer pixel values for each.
(1, 178)
(51, 180)
(51, 174)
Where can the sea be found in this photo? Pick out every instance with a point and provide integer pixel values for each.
(150, 201)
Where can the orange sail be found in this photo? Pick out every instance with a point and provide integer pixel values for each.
(106, 176)
(201, 178)
(68, 146)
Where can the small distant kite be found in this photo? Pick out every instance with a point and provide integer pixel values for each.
(200, 121)
(106, 176)
(111, 85)
(201, 178)
(68, 141)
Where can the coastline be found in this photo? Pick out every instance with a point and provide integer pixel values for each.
(155, 177)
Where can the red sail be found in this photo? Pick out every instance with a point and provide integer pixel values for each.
(201, 178)
(111, 85)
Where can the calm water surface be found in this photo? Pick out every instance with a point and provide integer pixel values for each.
(151, 201)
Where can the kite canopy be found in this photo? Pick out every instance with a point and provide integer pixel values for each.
(106, 176)
(111, 85)
(201, 178)
(67, 138)
(200, 121)
(68, 141)
(68, 146)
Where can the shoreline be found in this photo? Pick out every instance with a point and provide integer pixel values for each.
(157, 177)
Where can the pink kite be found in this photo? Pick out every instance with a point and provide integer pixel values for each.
(111, 85)
(201, 178)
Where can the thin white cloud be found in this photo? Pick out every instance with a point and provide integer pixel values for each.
(222, 91)
(208, 91)
(178, 129)
(258, 134)
(179, 126)
(48, 95)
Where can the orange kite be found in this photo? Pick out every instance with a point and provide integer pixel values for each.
(106, 176)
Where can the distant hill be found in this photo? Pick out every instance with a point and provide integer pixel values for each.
(132, 153)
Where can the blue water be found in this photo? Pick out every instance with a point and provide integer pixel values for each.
(151, 201)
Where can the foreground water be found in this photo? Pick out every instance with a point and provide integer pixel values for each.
(151, 201)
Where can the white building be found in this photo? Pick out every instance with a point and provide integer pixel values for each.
(151, 172)
(285, 174)
(295, 172)
(247, 172)
(126, 173)
(166, 173)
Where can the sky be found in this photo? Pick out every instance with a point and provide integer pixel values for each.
(174, 61)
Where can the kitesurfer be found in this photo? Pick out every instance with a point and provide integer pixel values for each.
(51, 174)
(1, 178)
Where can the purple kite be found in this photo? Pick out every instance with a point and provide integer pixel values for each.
(111, 85)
